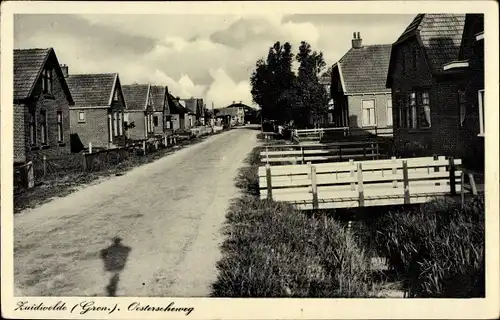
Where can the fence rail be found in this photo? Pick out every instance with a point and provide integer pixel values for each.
(318, 134)
(362, 183)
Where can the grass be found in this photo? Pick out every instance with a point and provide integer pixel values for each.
(60, 185)
(437, 249)
(273, 250)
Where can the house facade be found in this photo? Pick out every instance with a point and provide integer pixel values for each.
(161, 110)
(97, 117)
(234, 114)
(358, 92)
(426, 91)
(139, 112)
(195, 110)
(177, 113)
(41, 106)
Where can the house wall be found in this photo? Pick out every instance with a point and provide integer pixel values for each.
(158, 130)
(178, 121)
(94, 129)
(20, 141)
(355, 103)
(405, 82)
(51, 104)
(139, 131)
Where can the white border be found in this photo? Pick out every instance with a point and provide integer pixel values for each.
(212, 308)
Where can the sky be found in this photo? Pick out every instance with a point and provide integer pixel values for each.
(204, 56)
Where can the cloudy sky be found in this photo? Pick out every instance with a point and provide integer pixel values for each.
(208, 56)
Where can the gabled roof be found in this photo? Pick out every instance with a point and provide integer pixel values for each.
(28, 66)
(228, 111)
(364, 70)
(440, 35)
(92, 89)
(191, 104)
(175, 106)
(158, 94)
(136, 96)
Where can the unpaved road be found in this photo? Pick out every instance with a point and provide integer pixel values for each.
(169, 213)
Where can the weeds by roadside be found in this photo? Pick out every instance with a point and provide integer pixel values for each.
(436, 248)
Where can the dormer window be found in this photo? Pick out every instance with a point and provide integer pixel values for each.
(47, 81)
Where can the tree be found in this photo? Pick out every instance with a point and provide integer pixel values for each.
(313, 98)
(328, 72)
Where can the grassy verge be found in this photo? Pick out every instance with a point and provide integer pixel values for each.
(273, 250)
(60, 185)
(437, 249)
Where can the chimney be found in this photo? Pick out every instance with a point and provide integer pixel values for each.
(64, 69)
(356, 40)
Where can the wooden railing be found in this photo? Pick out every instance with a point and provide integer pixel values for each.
(321, 152)
(301, 135)
(362, 183)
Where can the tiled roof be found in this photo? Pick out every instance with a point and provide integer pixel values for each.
(175, 106)
(191, 104)
(440, 35)
(365, 69)
(91, 89)
(229, 111)
(28, 64)
(135, 96)
(158, 93)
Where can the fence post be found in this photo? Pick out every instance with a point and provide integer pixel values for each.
(472, 184)
(394, 171)
(314, 188)
(44, 165)
(360, 185)
(165, 141)
(351, 174)
(303, 157)
(406, 183)
(84, 162)
(462, 189)
(452, 176)
(269, 183)
(90, 147)
(144, 146)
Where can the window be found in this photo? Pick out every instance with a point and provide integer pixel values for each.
(481, 112)
(47, 81)
(424, 110)
(368, 109)
(155, 121)
(389, 112)
(413, 111)
(60, 137)
(120, 123)
(33, 127)
(462, 106)
(115, 123)
(81, 116)
(43, 126)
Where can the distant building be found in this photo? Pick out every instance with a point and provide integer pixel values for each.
(161, 110)
(361, 100)
(98, 114)
(140, 111)
(234, 114)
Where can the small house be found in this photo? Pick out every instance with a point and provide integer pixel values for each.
(360, 98)
(98, 114)
(177, 113)
(41, 106)
(139, 112)
(161, 110)
(429, 87)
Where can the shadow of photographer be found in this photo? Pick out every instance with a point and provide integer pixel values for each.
(114, 258)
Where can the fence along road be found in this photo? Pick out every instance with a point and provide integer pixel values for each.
(168, 213)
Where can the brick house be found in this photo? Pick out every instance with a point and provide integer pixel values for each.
(161, 110)
(140, 111)
(98, 114)
(427, 90)
(235, 113)
(177, 113)
(362, 101)
(41, 106)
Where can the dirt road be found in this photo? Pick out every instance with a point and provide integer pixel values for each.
(167, 213)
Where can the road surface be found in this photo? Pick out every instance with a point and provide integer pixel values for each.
(168, 215)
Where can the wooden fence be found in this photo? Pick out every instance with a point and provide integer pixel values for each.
(362, 183)
(319, 134)
(322, 152)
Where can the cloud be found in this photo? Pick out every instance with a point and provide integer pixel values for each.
(223, 91)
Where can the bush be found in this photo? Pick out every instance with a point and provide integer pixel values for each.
(272, 250)
(437, 248)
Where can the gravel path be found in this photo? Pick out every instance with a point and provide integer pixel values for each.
(168, 213)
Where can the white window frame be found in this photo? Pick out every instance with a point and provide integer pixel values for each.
(120, 123)
(480, 97)
(33, 127)
(115, 123)
(44, 133)
(462, 106)
(371, 124)
(80, 118)
(390, 118)
(60, 134)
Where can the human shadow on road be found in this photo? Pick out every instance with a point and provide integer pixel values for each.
(114, 258)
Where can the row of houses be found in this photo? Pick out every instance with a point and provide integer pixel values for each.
(426, 89)
(57, 113)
